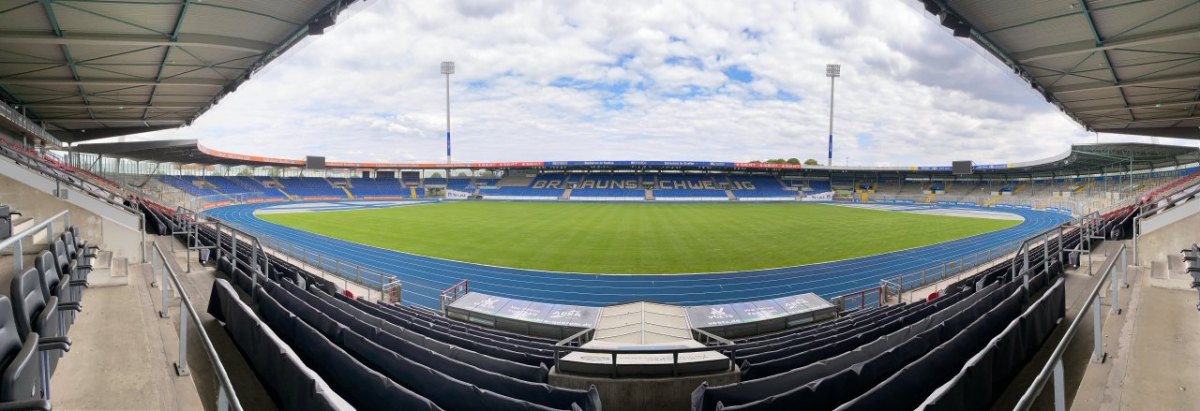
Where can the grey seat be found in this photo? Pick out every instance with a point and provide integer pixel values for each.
(68, 267)
(37, 314)
(52, 285)
(22, 383)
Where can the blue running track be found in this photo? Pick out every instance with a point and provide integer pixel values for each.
(424, 278)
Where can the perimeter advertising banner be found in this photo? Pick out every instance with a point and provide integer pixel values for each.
(705, 316)
(529, 311)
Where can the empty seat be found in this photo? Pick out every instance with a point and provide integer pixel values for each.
(52, 285)
(23, 385)
(36, 313)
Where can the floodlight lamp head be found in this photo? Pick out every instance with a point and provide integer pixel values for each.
(833, 70)
(447, 67)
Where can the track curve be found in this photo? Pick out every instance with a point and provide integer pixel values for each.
(424, 278)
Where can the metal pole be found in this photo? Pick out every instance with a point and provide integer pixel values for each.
(1060, 396)
(181, 365)
(1124, 270)
(1115, 304)
(166, 291)
(831, 85)
(1097, 340)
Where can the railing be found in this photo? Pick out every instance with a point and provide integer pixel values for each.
(861, 299)
(453, 293)
(226, 396)
(1154, 205)
(954, 268)
(895, 286)
(1191, 256)
(18, 249)
(376, 283)
(28, 125)
(1054, 365)
(711, 343)
(27, 160)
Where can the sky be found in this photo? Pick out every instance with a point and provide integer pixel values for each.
(639, 80)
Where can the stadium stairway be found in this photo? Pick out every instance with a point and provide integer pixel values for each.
(649, 194)
(347, 191)
(566, 195)
(729, 193)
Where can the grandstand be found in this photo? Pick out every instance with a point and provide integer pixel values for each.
(143, 275)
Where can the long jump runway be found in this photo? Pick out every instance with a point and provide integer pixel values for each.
(424, 278)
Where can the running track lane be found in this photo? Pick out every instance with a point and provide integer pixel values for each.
(424, 278)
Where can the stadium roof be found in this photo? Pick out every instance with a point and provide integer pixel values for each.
(1114, 66)
(102, 68)
(1080, 160)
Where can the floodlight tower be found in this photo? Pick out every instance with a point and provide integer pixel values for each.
(833, 71)
(447, 69)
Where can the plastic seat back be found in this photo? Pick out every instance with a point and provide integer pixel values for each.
(60, 255)
(69, 242)
(20, 371)
(47, 266)
(29, 303)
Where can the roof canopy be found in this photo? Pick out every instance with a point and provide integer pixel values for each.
(1080, 160)
(94, 69)
(1115, 66)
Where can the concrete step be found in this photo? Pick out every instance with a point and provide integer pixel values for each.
(103, 260)
(116, 275)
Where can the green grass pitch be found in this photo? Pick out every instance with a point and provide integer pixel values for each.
(637, 238)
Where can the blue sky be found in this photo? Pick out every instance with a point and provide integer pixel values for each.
(634, 80)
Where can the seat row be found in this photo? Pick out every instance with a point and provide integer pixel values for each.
(35, 319)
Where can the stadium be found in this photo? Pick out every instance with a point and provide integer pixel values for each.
(165, 273)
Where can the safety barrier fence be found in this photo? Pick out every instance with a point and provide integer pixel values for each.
(453, 293)
(166, 279)
(711, 343)
(1052, 370)
(16, 242)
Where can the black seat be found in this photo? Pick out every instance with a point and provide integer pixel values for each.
(78, 249)
(52, 285)
(68, 267)
(37, 314)
(80, 243)
(22, 384)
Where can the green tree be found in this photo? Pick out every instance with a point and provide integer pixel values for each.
(812, 162)
(793, 160)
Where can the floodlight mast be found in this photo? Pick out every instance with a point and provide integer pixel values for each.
(447, 69)
(833, 71)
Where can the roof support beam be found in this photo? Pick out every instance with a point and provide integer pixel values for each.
(121, 120)
(160, 106)
(166, 56)
(1087, 15)
(48, 7)
(102, 39)
(1085, 46)
(1101, 109)
(112, 82)
(1146, 120)
(1102, 85)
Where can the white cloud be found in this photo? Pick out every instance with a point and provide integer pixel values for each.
(628, 80)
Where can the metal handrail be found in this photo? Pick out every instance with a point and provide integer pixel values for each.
(575, 342)
(74, 184)
(28, 125)
(226, 395)
(15, 241)
(453, 293)
(1054, 365)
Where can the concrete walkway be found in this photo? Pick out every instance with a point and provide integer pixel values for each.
(1153, 352)
(122, 353)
